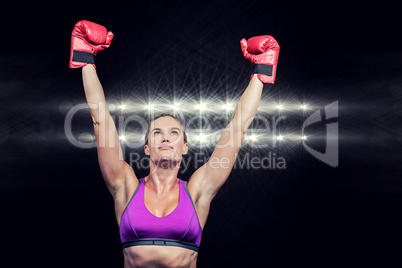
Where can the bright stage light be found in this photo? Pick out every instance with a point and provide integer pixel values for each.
(122, 107)
(279, 137)
(85, 137)
(202, 138)
(122, 137)
(280, 106)
(111, 107)
(304, 106)
(252, 137)
(304, 137)
(228, 107)
(201, 107)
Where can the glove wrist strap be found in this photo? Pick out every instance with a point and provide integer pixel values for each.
(80, 56)
(263, 69)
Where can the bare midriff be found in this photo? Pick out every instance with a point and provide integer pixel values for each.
(159, 256)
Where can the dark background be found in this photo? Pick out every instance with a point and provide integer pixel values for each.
(56, 210)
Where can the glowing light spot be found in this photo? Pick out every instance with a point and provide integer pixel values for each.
(304, 137)
(304, 106)
(201, 106)
(112, 107)
(279, 137)
(85, 137)
(122, 137)
(122, 107)
(280, 107)
(202, 138)
(253, 137)
(228, 107)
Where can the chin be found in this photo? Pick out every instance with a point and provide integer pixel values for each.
(169, 157)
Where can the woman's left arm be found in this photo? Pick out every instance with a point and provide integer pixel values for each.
(208, 179)
(216, 170)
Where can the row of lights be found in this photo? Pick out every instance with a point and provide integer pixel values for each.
(205, 107)
(203, 138)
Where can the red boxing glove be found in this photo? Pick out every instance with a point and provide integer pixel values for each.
(263, 52)
(87, 39)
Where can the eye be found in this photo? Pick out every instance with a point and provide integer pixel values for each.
(157, 132)
(175, 132)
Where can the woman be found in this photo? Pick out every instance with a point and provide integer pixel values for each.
(161, 217)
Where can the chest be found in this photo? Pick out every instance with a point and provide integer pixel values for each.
(163, 217)
(161, 205)
(166, 216)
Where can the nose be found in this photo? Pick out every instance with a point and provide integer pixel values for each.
(165, 138)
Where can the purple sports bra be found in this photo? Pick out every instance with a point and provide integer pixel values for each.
(180, 228)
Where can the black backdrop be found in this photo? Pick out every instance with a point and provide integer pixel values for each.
(56, 210)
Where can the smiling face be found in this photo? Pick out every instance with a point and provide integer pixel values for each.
(166, 140)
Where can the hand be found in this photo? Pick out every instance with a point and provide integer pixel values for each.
(263, 52)
(87, 39)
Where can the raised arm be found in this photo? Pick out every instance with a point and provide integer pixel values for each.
(110, 154)
(87, 39)
(263, 52)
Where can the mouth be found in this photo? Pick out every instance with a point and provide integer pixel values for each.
(165, 147)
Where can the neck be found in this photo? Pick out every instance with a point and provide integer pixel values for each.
(163, 175)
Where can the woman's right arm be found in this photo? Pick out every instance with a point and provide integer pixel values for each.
(114, 169)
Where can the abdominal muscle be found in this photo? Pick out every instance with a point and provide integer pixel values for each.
(159, 256)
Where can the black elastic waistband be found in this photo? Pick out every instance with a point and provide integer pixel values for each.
(160, 242)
